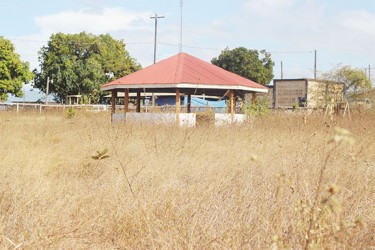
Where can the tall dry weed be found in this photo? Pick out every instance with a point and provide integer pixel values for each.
(252, 186)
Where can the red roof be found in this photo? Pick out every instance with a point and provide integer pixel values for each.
(185, 71)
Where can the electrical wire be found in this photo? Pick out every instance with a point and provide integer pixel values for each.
(167, 44)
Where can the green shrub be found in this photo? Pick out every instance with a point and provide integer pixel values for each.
(259, 108)
(71, 112)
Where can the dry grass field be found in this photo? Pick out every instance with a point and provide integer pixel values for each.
(275, 183)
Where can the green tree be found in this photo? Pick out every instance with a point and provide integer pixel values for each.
(251, 64)
(355, 80)
(13, 72)
(78, 64)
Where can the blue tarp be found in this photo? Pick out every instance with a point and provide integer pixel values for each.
(195, 102)
(200, 102)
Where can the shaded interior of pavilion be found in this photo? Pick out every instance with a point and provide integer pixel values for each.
(137, 98)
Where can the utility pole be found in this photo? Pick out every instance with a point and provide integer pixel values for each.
(47, 90)
(315, 65)
(282, 70)
(369, 72)
(156, 17)
(180, 45)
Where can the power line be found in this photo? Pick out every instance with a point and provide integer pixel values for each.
(75, 43)
(189, 46)
(168, 44)
(291, 52)
(126, 43)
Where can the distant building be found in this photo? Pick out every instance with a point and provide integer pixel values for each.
(310, 93)
(73, 99)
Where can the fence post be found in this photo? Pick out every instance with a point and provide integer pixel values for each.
(18, 108)
(40, 109)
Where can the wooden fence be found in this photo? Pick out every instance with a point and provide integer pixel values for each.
(20, 107)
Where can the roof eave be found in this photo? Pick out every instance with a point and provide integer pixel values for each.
(184, 85)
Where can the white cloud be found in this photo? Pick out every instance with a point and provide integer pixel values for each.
(359, 22)
(134, 27)
(308, 24)
(340, 36)
(349, 33)
(94, 20)
(28, 47)
(269, 7)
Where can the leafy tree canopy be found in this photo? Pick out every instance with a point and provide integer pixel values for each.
(13, 72)
(251, 64)
(78, 64)
(355, 80)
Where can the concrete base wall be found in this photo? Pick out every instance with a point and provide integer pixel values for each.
(186, 119)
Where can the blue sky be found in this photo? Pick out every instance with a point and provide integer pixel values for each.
(342, 31)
